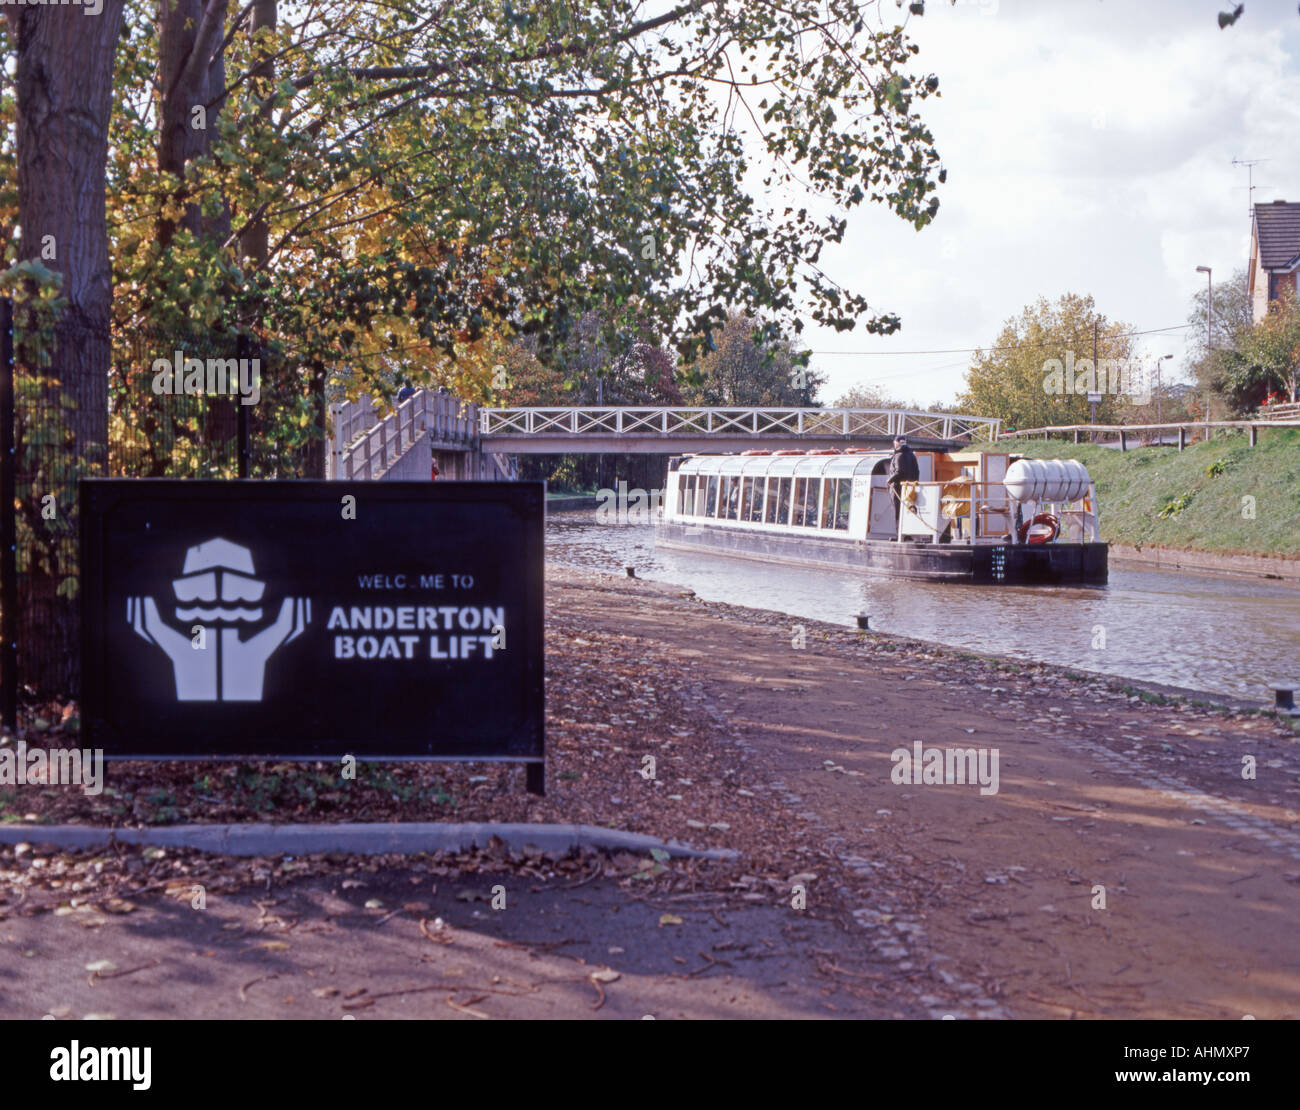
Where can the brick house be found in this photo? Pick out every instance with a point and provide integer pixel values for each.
(1274, 254)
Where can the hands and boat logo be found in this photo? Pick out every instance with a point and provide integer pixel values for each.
(219, 598)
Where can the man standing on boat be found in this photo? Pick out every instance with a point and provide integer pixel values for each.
(902, 468)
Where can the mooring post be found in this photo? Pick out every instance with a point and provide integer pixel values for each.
(1123, 440)
(1254, 435)
(1284, 699)
(535, 778)
(1182, 437)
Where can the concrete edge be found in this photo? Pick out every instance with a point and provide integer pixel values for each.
(1273, 567)
(572, 503)
(354, 839)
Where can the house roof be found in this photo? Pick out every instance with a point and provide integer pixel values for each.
(1278, 228)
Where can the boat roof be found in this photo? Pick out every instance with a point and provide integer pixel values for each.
(801, 465)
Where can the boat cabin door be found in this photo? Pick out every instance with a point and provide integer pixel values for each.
(882, 525)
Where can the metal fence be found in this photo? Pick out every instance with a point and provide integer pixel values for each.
(668, 421)
(200, 404)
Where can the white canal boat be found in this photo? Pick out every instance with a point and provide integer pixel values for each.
(970, 517)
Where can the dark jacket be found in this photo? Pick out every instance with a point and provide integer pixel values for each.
(903, 467)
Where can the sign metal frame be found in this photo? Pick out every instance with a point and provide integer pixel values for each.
(100, 497)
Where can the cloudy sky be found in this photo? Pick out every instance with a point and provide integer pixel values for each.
(1089, 147)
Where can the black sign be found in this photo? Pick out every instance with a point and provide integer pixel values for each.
(305, 619)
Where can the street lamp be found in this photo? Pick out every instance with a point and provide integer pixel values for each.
(1209, 301)
(1158, 362)
(1209, 316)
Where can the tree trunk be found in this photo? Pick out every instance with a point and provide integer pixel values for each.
(254, 241)
(191, 74)
(64, 80)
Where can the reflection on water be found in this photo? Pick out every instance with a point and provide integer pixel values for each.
(1208, 632)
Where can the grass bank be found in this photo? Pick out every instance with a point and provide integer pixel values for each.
(1196, 500)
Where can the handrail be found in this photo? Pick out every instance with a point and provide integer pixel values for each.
(1172, 427)
(668, 420)
(364, 445)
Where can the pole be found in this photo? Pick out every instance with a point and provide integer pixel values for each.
(241, 416)
(1209, 308)
(1092, 385)
(1209, 332)
(8, 526)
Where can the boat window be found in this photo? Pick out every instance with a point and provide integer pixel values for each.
(805, 502)
(770, 512)
(844, 499)
(755, 500)
(827, 518)
(783, 501)
(686, 494)
(711, 497)
(731, 498)
(800, 495)
(701, 488)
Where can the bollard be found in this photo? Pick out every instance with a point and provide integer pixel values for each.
(863, 619)
(631, 571)
(1284, 699)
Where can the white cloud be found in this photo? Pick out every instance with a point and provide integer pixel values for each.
(1089, 147)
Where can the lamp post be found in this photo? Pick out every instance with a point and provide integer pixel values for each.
(1158, 362)
(1209, 301)
(1209, 318)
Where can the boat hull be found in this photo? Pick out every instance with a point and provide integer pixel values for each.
(1055, 564)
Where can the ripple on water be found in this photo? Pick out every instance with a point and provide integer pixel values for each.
(1208, 632)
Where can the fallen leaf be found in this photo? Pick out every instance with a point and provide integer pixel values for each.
(101, 965)
(669, 919)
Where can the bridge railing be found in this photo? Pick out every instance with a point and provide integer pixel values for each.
(364, 444)
(669, 421)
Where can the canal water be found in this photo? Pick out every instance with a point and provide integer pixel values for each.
(1218, 633)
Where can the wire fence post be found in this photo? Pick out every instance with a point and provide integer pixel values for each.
(8, 525)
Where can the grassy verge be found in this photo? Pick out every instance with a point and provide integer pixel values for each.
(1222, 496)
